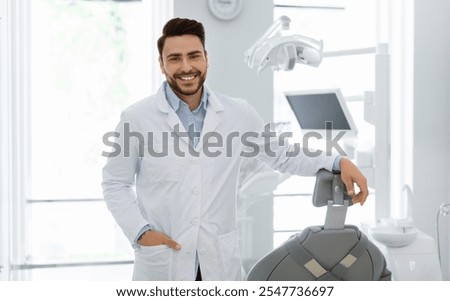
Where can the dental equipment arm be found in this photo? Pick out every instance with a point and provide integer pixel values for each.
(283, 52)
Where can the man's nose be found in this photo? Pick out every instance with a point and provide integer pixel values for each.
(186, 65)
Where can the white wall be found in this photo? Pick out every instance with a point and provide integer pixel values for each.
(431, 111)
(226, 42)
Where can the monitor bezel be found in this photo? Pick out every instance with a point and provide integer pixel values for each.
(342, 102)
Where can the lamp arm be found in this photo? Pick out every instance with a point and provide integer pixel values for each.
(281, 52)
(282, 23)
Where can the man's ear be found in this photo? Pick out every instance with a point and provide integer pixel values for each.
(206, 56)
(161, 65)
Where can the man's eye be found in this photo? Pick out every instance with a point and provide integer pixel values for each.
(174, 59)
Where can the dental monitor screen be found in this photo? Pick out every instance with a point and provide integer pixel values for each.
(313, 109)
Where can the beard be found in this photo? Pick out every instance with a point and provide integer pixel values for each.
(189, 88)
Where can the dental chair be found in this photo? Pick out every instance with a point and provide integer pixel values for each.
(331, 252)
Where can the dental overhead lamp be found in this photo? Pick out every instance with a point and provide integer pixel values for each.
(283, 52)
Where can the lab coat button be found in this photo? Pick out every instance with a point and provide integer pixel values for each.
(194, 221)
(195, 161)
(195, 190)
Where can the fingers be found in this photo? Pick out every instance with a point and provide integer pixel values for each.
(347, 170)
(155, 238)
(350, 175)
(349, 186)
(364, 190)
(363, 193)
(166, 240)
(172, 244)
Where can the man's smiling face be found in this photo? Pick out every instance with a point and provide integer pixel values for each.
(184, 62)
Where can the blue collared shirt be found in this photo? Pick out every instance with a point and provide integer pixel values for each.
(192, 121)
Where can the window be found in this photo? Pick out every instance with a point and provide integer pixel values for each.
(342, 25)
(88, 61)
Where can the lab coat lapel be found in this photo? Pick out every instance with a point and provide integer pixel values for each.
(176, 126)
(173, 120)
(212, 118)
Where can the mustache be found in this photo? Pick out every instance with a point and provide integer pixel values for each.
(196, 73)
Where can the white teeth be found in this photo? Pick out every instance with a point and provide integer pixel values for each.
(187, 77)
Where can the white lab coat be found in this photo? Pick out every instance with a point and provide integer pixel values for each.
(191, 199)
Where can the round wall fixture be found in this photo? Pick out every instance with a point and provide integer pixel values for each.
(225, 9)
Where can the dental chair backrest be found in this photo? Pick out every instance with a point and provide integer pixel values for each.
(331, 252)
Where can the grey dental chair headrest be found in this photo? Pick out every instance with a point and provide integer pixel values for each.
(329, 187)
(330, 191)
(334, 251)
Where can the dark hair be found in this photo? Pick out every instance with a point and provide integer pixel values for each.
(179, 27)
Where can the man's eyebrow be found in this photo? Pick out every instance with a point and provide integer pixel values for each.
(179, 54)
(173, 55)
(194, 52)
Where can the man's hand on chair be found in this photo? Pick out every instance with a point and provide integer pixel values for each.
(350, 174)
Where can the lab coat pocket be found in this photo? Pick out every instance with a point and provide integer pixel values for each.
(153, 263)
(229, 252)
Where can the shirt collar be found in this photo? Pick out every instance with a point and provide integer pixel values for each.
(175, 102)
